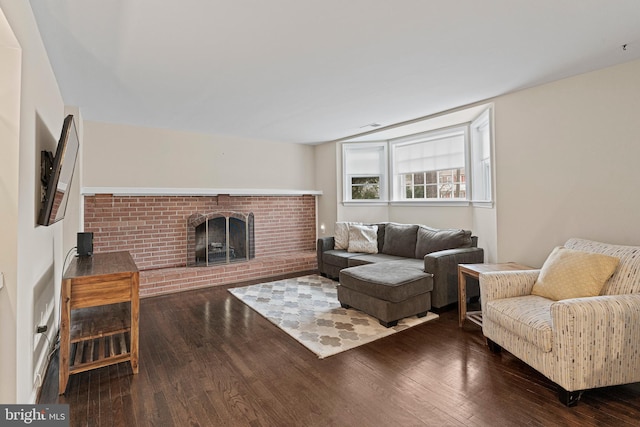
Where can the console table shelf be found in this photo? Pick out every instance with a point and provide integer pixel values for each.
(100, 312)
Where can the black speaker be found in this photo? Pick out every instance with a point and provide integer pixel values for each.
(85, 244)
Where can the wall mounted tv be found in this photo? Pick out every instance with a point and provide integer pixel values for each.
(56, 173)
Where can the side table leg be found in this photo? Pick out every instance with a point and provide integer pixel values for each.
(462, 298)
(135, 319)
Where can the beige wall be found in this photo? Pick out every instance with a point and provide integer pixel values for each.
(326, 175)
(131, 156)
(10, 58)
(38, 251)
(567, 157)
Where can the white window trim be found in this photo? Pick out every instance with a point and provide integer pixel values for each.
(486, 117)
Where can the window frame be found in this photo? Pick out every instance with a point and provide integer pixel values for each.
(397, 188)
(484, 119)
(383, 174)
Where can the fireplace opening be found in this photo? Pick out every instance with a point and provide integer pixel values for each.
(219, 238)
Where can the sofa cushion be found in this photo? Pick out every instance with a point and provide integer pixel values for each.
(568, 273)
(400, 239)
(363, 238)
(341, 235)
(338, 257)
(381, 228)
(362, 259)
(389, 281)
(527, 317)
(433, 240)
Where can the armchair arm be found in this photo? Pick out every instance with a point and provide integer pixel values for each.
(323, 244)
(598, 337)
(444, 267)
(506, 284)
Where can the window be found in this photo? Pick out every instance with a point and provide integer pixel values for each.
(365, 171)
(430, 166)
(445, 184)
(481, 157)
(446, 159)
(365, 187)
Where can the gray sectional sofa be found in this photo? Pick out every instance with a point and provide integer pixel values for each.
(434, 251)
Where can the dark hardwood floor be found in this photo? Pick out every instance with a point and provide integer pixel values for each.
(206, 359)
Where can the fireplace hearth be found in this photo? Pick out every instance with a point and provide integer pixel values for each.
(220, 238)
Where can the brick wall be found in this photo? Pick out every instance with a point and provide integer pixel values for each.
(154, 230)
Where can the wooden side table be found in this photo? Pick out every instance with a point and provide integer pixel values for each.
(474, 271)
(100, 314)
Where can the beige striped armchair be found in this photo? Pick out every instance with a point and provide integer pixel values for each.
(578, 343)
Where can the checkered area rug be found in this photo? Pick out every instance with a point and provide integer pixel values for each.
(307, 309)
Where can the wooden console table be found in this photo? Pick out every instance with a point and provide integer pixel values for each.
(100, 312)
(474, 271)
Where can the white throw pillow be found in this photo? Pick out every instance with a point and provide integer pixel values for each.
(363, 238)
(341, 235)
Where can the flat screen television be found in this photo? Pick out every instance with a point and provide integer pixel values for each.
(56, 173)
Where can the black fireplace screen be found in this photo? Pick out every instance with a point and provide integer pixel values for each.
(219, 238)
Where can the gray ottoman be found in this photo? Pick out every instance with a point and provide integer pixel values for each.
(388, 291)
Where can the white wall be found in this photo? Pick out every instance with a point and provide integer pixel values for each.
(130, 156)
(567, 155)
(36, 253)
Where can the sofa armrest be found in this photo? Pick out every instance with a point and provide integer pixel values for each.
(444, 267)
(506, 284)
(598, 337)
(323, 244)
(450, 258)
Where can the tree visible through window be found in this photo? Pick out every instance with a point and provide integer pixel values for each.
(365, 169)
(365, 188)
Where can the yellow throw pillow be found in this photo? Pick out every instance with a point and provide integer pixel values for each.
(568, 273)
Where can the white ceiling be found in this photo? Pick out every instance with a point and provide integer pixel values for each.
(310, 71)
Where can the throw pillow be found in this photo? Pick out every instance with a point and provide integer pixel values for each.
(568, 273)
(433, 240)
(400, 239)
(363, 238)
(341, 235)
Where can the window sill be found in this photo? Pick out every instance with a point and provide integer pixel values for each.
(365, 203)
(418, 203)
(482, 204)
(430, 203)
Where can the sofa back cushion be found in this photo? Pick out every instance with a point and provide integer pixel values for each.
(432, 240)
(381, 228)
(626, 278)
(400, 239)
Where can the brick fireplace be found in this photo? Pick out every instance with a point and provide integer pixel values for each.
(155, 229)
